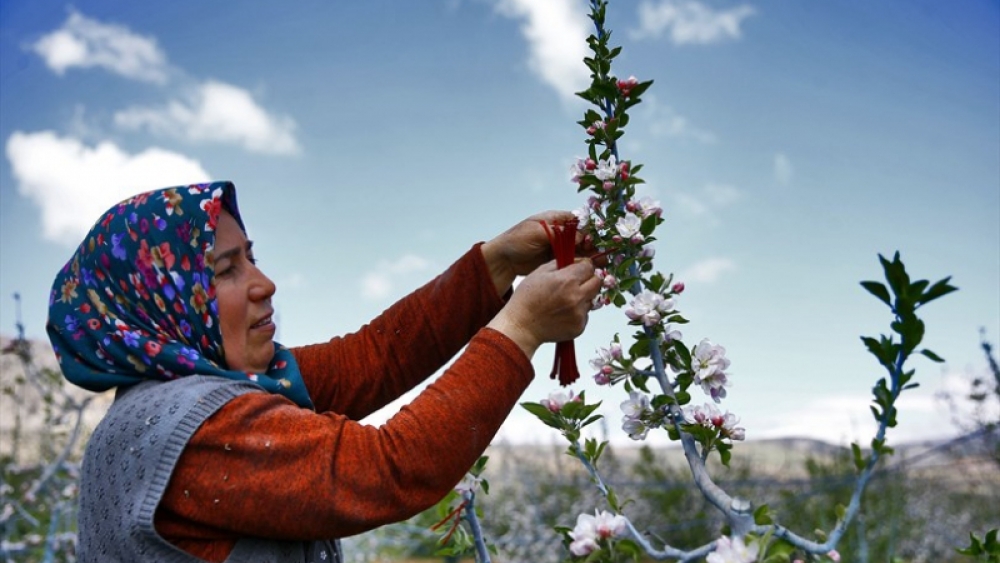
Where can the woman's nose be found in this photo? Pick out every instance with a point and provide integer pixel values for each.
(261, 287)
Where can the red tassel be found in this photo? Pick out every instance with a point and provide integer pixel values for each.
(562, 237)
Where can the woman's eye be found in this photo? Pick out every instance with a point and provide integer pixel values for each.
(252, 260)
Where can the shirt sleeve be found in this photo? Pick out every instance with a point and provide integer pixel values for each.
(263, 467)
(359, 373)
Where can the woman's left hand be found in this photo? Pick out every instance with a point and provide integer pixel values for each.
(521, 249)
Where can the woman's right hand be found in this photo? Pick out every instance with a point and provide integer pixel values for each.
(549, 305)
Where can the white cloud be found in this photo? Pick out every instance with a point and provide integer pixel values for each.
(783, 170)
(556, 31)
(83, 42)
(722, 194)
(217, 112)
(689, 22)
(708, 270)
(380, 282)
(74, 183)
(665, 122)
(841, 419)
(704, 204)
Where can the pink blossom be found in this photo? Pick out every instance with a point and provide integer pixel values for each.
(678, 288)
(834, 554)
(557, 400)
(595, 126)
(625, 86)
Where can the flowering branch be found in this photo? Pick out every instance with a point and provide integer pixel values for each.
(456, 541)
(621, 227)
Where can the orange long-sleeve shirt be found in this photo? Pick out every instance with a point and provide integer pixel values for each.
(263, 467)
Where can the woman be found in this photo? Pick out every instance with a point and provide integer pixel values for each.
(222, 445)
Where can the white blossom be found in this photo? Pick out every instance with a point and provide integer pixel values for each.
(468, 484)
(589, 529)
(606, 169)
(646, 307)
(733, 551)
(629, 225)
(648, 206)
(635, 428)
(709, 362)
(578, 170)
(636, 405)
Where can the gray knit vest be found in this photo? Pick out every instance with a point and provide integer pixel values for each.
(128, 463)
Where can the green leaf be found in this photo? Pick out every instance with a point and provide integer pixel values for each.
(934, 357)
(975, 548)
(939, 289)
(840, 511)
(762, 516)
(725, 453)
(895, 274)
(544, 414)
(640, 348)
(629, 548)
(859, 459)
(683, 353)
(878, 290)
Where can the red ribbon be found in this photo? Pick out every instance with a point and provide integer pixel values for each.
(562, 237)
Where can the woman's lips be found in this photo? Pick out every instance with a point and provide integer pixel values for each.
(266, 321)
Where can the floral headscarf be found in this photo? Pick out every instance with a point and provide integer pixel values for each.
(136, 301)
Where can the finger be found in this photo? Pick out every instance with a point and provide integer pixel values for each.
(591, 286)
(553, 215)
(549, 266)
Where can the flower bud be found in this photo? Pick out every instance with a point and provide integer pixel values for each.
(678, 287)
(589, 164)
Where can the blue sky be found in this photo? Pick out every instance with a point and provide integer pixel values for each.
(373, 142)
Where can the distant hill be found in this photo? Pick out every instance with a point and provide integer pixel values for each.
(23, 419)
(22, 404)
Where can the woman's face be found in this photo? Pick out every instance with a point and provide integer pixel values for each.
(244, 295)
